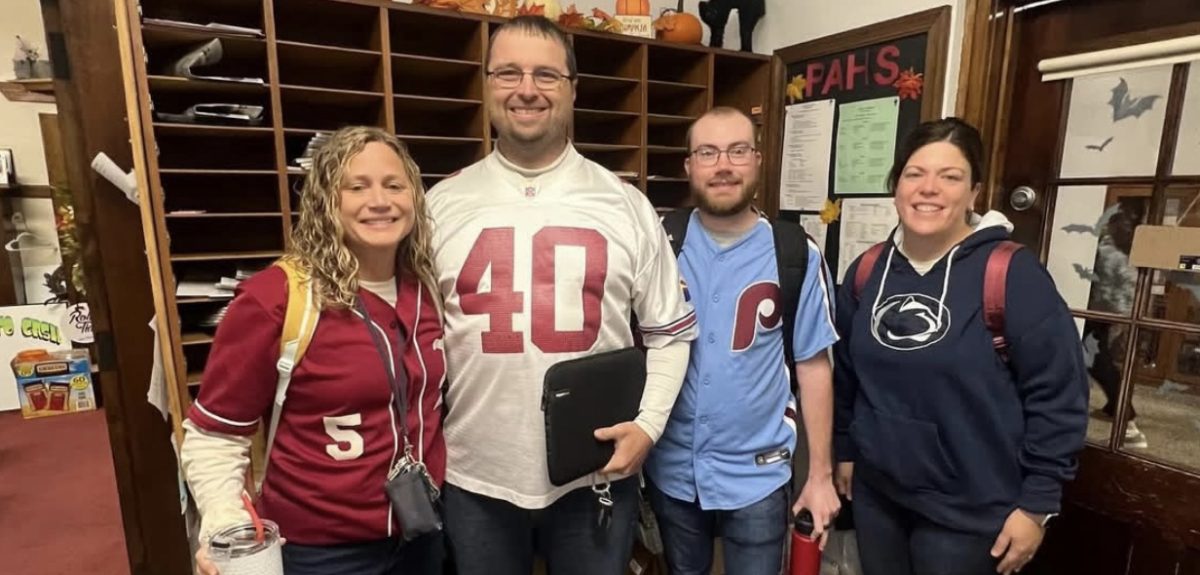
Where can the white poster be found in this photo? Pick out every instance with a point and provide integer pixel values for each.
(815, 228)
(804, 169)
(1187, 147)
(865, 222)
(24, 328)
(1078, 219)
(1115, 123)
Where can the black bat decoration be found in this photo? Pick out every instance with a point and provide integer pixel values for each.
(1085, 273)
(1101, 147)
(1079, 229)
(1124, 106)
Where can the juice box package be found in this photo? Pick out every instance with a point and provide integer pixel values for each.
(53, 382)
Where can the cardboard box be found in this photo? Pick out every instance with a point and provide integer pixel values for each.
(53, 382)
(1166, 248)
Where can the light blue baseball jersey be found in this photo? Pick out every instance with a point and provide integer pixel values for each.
(736, 403)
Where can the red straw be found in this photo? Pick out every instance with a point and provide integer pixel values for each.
(259, 535)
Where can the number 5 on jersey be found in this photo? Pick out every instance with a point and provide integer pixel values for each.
(495, 248)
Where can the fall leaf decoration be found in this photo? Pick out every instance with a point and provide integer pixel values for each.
(471, 6)
(531, 9)
(572, 18)
(795, 89)
(601, 21)
(505, 8)
(831, 212)
(909, 85)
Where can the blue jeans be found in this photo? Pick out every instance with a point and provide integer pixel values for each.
(893, 540)
(752, 537)
(493, 537)
(421, 556)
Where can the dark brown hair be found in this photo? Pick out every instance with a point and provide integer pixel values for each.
(953, 130)
(535, 26)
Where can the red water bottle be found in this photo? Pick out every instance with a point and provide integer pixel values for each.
(806, 551)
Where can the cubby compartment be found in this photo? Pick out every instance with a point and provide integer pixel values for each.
(224, 238)
(228, 12)
(675, 99)
(673, 193)
(439, 118)
(677, 65)
(192, 147)
(607, 127)
(428, 76)
(338, 24)
(325, 109)
(609, 57)
(665, 165)
(608, 93)
(435, 36)
(737, 81)
(666, 135)
(440, 159)
(219, 194)
(195, 357)
(240, 57)
(323, 67)
(177, 96)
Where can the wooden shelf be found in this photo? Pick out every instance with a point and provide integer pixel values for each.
(417, 65)
(668, 120)
(202, 299)
(216, 172)
(194, 377)
(434, 104)
(610, 81)
(218, 256)
(591, 115)
(663, 179)
(195, 338)
(663, 86)
(157, 34)
(211, 130)
(26, 191)
(443, 140)
(318, 95)
(177, 85)
(189, 215)
(323, 51)
(666, 149)
(40, 91)
(582, 147)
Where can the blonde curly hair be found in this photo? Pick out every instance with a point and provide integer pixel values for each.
(318, 241)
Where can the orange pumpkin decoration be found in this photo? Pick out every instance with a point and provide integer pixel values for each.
(678, 26)
(633, 7)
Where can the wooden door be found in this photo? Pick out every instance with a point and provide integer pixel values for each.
(1135, 505)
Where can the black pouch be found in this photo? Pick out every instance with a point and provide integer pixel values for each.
(413, 496)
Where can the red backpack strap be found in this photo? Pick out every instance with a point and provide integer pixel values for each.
(995, 281)
(866, 265)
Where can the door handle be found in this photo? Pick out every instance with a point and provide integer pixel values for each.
(1022, 198)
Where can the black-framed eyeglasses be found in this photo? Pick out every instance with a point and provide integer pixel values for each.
(544, 79)
(739, 154)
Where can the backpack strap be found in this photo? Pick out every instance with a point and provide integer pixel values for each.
(866, 265)
(299, 324)
(995, 280)
(675, 223)
(791, 258)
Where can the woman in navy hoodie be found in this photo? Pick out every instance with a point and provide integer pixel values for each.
(954, 458)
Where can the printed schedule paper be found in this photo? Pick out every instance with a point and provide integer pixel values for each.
(866, 145)
(807, 142)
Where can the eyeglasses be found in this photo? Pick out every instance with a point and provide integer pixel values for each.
(738, 155)
(544, 79)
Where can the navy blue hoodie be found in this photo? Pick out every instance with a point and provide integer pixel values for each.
(932, 417)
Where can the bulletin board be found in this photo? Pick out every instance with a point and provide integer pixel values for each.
(842, 105)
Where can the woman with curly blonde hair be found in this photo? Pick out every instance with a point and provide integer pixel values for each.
(363, 241)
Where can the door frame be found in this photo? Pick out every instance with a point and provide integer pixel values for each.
(1114, 483)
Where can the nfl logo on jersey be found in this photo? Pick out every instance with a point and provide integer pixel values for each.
(686, 295)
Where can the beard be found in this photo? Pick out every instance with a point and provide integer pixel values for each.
(726, 207)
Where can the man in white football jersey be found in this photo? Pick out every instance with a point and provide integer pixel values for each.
(542, 255)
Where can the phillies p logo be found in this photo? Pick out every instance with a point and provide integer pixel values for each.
(758, 306)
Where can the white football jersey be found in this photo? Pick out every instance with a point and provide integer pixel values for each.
(534, 271)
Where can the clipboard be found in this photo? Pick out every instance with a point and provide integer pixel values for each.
(582, 395)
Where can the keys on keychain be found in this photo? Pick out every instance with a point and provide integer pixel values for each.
(604, 504)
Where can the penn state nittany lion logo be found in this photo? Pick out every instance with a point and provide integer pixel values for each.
(756, 306)
(910, 321)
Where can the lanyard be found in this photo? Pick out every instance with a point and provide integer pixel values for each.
(388, 357)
